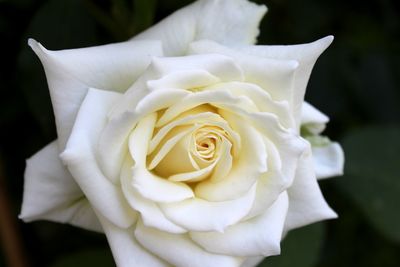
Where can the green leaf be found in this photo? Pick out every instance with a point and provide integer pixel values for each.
(98, 258)
(58, 24)
(372, 177)
(301, 248)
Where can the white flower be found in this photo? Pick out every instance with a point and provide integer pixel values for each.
(184, 142)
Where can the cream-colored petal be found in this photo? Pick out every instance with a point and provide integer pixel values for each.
(183, 79)
(258, 236)
(194, 176)
(252, 261)
(289, 144)
(248, 167)
(193, 100)
(51, 193)
(80, 158)
(140, 138)
(149, 210)
(224, 163)
(172, 151)
(198, 118)
(71, 72)
(113, 142)
(126, 250)
(328, 160)
(306, 203)
(180, 250)
(199, 215)
(223, 67)
(230, 22)
(305, 54)
(276, 76)
(261, 98)
(270, 185)
(313, 120)
(158, 189)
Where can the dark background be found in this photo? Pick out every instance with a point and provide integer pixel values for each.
(356, 82)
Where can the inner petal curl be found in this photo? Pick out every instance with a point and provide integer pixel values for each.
(190, 148)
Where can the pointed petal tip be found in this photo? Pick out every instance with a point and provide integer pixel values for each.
(273, 250)
(32, 42)
(328, 39)
(325, 41)
(35, 45)
(332, 215)
(38, 48)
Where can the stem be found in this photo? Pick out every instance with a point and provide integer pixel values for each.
(10, 237)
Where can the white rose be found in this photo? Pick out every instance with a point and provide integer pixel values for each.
(184, 142)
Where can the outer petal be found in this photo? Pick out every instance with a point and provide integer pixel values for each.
(306, 203)
(51, 193)
(223, 67)
(179, 250)
(71, 72)
(305, 54)
(150, 212)
(276, 76)
(258, 236)
(80, 158)
(328, 160)
(126, 250)
(200, 215)
(112, 146)
(328, 156)
(230, 22)
(252, 261)
(312, 119)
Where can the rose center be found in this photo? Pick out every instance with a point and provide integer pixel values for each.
(207, 141)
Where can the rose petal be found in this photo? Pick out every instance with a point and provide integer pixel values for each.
(305, 54)
(260, 98)
(250, 164)
(328, 160)
(147, 184)
(258, 236)
(289, 144)
(184, 79)
(113, 67)
(126, 250)
(220, 66)
(276, 76)
(51, 193)
(194, 176)
(158, 189)
(149, 210)
(196, 214)
(313, 119)
(205, 97)
(307, 205)
(113, 141)
(230, 22)
(223, 164)
(252, 261)
(140, 138)
(180, 250)
(80, 159)
(269, 186)
(201, 117)
(172, 156)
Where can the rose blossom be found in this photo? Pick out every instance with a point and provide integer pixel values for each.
(186, 145)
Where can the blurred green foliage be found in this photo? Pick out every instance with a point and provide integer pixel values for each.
(356, 82)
